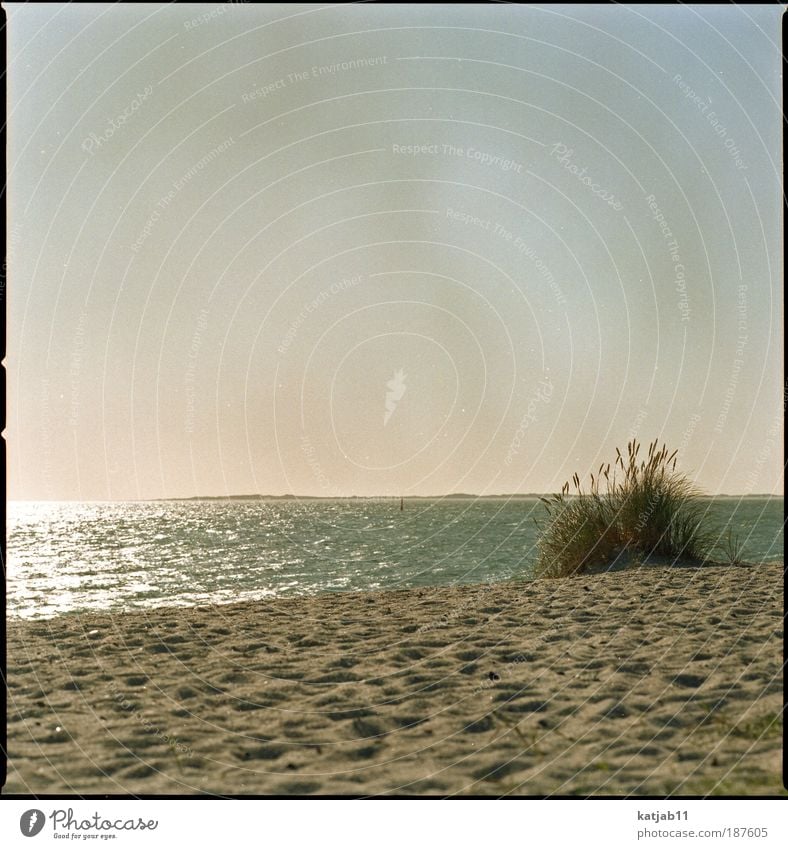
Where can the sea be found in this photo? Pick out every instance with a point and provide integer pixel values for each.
(67, 557)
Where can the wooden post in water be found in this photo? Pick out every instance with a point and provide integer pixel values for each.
(401, 503)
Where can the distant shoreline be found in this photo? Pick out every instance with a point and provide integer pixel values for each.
(530, 496)
(518, 496)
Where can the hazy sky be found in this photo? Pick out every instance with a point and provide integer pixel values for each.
(390, 249)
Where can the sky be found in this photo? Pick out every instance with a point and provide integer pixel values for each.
(390, 250)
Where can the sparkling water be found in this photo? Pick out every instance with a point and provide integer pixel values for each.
(69, 557)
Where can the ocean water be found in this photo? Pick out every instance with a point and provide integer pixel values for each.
(70, 557)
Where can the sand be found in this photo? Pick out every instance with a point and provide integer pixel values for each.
(654, 681)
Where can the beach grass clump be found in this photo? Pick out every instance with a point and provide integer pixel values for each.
(641, 507)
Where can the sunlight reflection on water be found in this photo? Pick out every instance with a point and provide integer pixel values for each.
(66, 557)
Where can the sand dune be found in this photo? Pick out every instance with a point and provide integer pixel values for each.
(653, 681)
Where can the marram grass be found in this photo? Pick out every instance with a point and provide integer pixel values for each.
(646, 508)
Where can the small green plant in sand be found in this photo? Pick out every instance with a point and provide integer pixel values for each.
(731, 548)
(765, 727)
(641, 507)
(740, 782)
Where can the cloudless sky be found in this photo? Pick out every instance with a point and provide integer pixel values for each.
(383, 250)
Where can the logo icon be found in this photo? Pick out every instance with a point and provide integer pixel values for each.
(396, 389)
(31, 822)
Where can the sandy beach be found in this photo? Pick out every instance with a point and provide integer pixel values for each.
(653, 681)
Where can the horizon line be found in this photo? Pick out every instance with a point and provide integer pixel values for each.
(291, 497)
